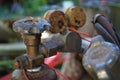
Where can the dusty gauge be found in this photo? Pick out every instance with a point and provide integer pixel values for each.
(76, 17)
(57, 20)
(102, 60)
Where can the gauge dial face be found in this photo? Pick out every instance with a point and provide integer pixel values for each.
(99, 54)
(102, 53)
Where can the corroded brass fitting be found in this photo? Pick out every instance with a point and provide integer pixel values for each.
(33, 62)
(31, 29)
(32, 44)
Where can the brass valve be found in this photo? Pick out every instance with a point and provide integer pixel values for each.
(31, 29)
(33, 62)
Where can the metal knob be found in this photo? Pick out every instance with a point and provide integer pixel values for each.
(102, 60)
(31, 29)
(31, 25)
(33, 62)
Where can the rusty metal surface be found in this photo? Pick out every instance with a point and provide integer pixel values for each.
(24, 62)
(57, 20)
(45, 73)
(21, 62)
(76, 17)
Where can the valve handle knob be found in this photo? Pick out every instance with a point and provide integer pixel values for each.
(31, 25)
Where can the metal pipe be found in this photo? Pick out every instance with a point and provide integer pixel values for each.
(32, 44)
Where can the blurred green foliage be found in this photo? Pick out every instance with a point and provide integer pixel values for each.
(21, 8)
(32, 6)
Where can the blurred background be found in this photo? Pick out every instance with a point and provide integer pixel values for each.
(11, 44)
